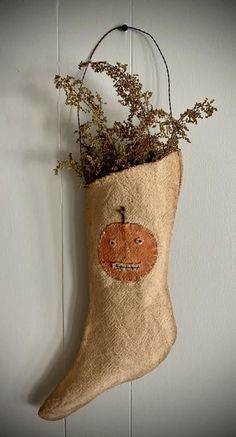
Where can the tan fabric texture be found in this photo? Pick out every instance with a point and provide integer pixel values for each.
(130, 326)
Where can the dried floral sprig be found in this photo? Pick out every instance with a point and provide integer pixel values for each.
(148, 134)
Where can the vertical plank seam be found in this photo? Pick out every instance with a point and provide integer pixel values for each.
(131, 72)
(61, 200)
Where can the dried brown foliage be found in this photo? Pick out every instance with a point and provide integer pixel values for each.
(148, 134)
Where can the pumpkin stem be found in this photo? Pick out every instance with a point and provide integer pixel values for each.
(121, 210)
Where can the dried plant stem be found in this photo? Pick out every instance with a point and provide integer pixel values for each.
(148, 134)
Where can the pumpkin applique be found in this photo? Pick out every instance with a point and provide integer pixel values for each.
(127, 251)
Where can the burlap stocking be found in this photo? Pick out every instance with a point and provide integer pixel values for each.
(130, 327)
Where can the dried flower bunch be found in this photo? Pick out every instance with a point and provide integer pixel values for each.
(148, 134)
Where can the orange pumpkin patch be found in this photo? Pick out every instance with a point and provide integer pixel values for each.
(127, 251)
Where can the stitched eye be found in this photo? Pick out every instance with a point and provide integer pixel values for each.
(112, 243)
(138, 240)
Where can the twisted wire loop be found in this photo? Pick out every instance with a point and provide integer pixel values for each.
(125, 27)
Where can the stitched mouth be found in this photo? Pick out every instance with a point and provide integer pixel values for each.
(126, 267)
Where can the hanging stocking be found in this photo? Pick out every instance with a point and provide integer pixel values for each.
(130, 327)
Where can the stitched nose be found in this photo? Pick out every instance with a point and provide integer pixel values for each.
(126, 253)
(127, 250)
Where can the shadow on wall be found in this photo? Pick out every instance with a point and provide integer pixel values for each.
(59, 363)
(76, 298)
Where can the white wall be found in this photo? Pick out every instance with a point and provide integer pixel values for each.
(43, 252)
